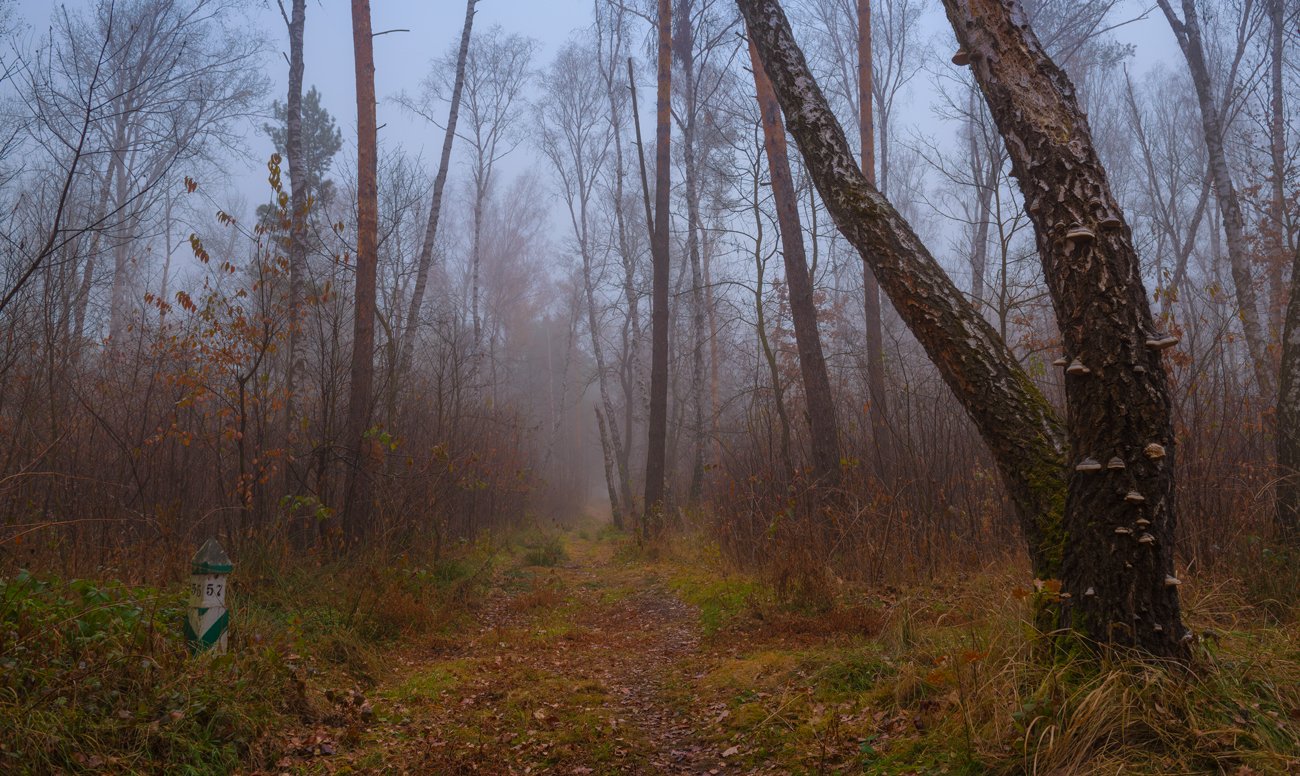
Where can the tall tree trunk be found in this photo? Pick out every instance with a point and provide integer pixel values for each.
(435, 204)
(357, 501)
(656, 445)
(1288, 400)
(1014, 419)
(870, 286)
(685, 44)
(1119, 514)
(1188, 33)
(631, 330)
(824, 434)
(296, 24)
(1277, 239)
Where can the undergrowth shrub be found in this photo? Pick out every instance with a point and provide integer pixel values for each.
(543, 548)
(97, 677)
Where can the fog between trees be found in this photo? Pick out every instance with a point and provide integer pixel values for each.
(1078, 258)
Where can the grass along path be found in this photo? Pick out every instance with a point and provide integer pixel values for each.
(570, 668)
(584, 657)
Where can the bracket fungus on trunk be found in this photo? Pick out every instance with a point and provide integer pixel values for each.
(1080, 234)
(1159, 341)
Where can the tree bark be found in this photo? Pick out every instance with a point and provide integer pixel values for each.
(1288, 399)
(1012, 416)
(296, 24)
(1188, 33)
(357, 501)
(984, 167)
(1288, 417)
(607, 458)
(1119, 520)
(435, 205)
(631, 329)
(685, 44)
(803, 308)
(656, 446)
(1277, 239)
(870, 286)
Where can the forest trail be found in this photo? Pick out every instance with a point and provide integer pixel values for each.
(580, 668)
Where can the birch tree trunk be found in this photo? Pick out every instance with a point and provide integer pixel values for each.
(296, 24)
(1118, 562)
(824, 436)
(1012, 416)
(630, 331)
(435, 204)
(1188, 32)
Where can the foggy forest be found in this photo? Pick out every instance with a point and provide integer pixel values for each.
(650, 386)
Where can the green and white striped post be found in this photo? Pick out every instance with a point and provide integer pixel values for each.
(205, 627)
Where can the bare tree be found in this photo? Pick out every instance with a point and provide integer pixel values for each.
(823, 429)
(1176, 186)
(576, 136)
(1214, 117)
(1013, 418)
(870, 288)
(1288, 400)
(657, 444)
(296, 25)
(610, 39)
(439, 183)
(496, 69)
(178, 78)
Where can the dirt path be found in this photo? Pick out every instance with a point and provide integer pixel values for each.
(583, 668)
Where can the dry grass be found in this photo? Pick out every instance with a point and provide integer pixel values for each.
(952, 677)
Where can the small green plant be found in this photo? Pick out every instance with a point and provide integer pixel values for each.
(545, 550)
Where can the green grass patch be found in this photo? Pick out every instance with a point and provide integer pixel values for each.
(96, 676)
(719, 600)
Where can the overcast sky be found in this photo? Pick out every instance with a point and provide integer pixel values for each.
(402, 60)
